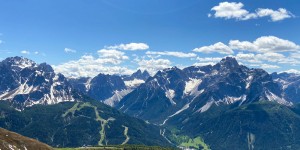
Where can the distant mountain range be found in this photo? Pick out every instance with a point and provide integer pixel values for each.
(199, 105)
(109, 89)
(194, 90)
(26, 83)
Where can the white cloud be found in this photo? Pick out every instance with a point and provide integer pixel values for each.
(275, 44)
(268, 66)
(270, 57)
(69, 50)
(89, 66)
(153, 65)
(265, 44)
(107, 62)
(204, 63)
(242, 45)
(295, 55)
(276, 15)
(294, 71)
(234, 10)
(266, 57)
(249, 57)
(175, 54)
(263, 50)
(209, 59)
(36, 52)
(216, 48)
(25, 52)
(111, 56)
(130, 46)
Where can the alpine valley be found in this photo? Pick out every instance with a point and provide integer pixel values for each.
(221, 106)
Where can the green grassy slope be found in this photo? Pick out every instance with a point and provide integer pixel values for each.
(73, 124)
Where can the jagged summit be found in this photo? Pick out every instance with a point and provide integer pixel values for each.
(139, 74)
(18, 62)
(136, 78)
(228, 62)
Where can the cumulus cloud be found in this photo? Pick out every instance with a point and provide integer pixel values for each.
(69, 50)
(242, 45)
(294, 71)
(153, 65)
(263, 50)
(25, 52)
(112, 56)
(275, 15)
(215, 48)
(234, 10)
(268, 66)
(204, 61)
(107, 62)
(295, 55)
(130, 46)
(89, 66)
(266, 57)
(270, 57)
(265, 44)
(209, 59)
(175, 54)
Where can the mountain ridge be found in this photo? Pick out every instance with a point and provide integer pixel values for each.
(198, 88)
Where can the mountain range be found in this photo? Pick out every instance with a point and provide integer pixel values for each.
(193, 90)
(38, 103)
(197, 106)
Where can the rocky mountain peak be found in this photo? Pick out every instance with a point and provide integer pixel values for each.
(229, 62)
(45, 67)
(18, 62)
(140, 75)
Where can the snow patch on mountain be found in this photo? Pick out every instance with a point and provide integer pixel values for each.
(112, 101)
(272, 97)
(186, 106)
(88, 84)
(248, 81)
(22, 89)
(205, 107)
(191, 87)
(231, 99)
(23, 63)
(170, 94)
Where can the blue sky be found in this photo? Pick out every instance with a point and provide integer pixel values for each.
(86, 37)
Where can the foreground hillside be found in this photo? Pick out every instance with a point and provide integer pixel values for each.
(75, 124)
(10, 140)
